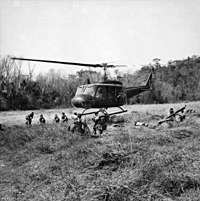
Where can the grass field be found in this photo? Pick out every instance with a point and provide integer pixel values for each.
(126, 163)
(18, 117)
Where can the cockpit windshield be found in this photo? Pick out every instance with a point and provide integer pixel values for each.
(90, 90)
(79, 90)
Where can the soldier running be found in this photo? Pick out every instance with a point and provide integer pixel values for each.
(96, 121)
(29, 118)
(100, 121)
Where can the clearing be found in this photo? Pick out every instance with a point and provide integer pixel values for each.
(126, 163)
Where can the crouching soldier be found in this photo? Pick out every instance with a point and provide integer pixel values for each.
(64, 117)
(42, 120)
(171, 112)
(56, 118)
(78, 124)
(180, 116)
(29, 118)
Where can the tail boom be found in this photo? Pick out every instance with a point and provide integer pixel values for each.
(133, 91)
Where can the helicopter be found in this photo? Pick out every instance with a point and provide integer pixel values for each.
(105, 94)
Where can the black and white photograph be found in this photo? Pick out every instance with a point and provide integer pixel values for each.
(99, 100)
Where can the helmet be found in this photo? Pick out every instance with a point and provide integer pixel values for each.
(78, 115)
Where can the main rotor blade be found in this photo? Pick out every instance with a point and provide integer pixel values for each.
(116, 66)
(103, 65)
(59, 62)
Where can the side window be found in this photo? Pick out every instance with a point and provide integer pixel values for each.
(99, 93)
(119, 94)
(110, 92)
(114, 93)
(119, 91)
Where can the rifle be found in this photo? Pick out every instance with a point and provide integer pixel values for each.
(171, 115)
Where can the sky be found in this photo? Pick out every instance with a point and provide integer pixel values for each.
(130, 32)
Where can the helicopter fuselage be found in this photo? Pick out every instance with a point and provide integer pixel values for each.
(106, 94)
(109, 93)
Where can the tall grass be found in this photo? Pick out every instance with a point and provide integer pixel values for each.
(126, 163)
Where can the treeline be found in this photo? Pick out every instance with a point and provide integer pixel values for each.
(50, 90)
(177, 81)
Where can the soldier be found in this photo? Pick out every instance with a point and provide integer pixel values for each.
(77, 125)
(95, 119)
(180, 116)
(56, 118)
(104, 117)
(29, 118)
(42, 120)
(100, 121)
(64, 117)
(171, 111)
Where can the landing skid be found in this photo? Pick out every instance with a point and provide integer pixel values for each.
(122, 111)
(87, 113)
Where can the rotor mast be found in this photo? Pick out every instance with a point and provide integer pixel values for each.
(105, 77)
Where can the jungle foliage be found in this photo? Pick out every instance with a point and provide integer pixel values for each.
(175, 82)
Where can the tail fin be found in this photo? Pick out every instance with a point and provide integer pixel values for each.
(149, 81)
(133, 91)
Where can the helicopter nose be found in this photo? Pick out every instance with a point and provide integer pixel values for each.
(82, 100)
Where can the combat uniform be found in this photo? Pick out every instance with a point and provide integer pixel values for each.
(64, 117)
(56, 119)
(42, 119)
(77, 125)
(180, 116)
(29, 118)
(171, 111)
(100, 121)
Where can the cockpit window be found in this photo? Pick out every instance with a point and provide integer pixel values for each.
(79, 90)
(90, 90)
